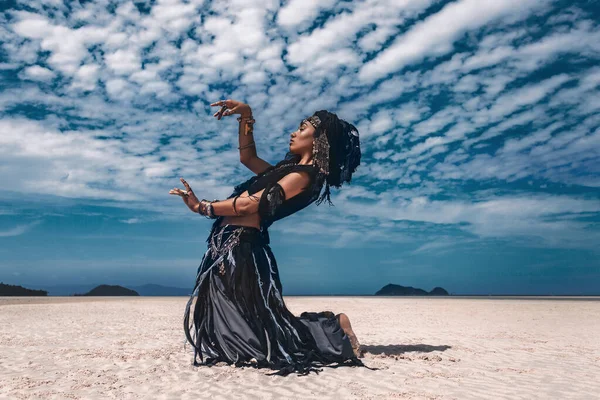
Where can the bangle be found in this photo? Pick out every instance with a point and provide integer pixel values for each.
(202, 207)
(249, 128)
(246, 145)
(212, 211)
(206, 208)
(234, 209)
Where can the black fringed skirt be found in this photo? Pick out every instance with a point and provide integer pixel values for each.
(239, 316)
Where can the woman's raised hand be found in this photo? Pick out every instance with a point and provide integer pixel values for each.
(230, 107)
(189, 198)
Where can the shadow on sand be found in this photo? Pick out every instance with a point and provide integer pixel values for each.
(397, 349)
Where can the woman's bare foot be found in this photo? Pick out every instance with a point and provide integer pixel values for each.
(345, 324)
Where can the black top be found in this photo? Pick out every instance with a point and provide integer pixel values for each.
(271, 175)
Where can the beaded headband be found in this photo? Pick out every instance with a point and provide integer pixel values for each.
(314, 121)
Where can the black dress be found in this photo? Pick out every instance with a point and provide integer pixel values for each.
(239, 315)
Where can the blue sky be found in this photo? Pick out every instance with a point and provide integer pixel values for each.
(479, 123)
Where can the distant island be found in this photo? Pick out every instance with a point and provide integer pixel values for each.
(16, 290)
(399, 290)
(69, 289)
(109, 290)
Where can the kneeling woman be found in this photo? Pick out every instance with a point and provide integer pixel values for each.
(239, 316)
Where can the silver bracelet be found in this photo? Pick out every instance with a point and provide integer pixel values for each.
(202, 210)
(209, 209)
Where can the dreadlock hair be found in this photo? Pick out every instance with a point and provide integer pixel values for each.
(344, 151)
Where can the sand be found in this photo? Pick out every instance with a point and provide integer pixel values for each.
(426, 348)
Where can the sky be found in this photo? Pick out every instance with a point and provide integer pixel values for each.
(479, 123)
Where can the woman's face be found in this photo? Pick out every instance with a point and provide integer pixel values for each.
(301, 141)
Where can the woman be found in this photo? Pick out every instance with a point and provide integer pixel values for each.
(239, 316)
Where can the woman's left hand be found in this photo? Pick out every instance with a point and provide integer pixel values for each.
(189, 198)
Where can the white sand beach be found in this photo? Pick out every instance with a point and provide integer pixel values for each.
(426, 348)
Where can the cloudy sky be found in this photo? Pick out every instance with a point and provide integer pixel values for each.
(479, 123)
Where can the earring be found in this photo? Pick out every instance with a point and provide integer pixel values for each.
(321, 152)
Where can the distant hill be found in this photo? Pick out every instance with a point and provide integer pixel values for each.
(438, 291)
(399, 290)
(143, 290)
(64, 289)
(16, 290)
(109, 290)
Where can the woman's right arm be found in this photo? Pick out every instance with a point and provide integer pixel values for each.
(256, 164)
(248, 155)
(247, 146)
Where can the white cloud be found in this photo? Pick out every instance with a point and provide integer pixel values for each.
(131, 221)
(86, 77)
(68, 47)
(19, 229)
(119, 89)
(532, 217)
(374, 39)
(297, 12)
(145, 79)
(528, 95)
(123, 61)
(37, 73)
(31, 25)
(435, 35)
